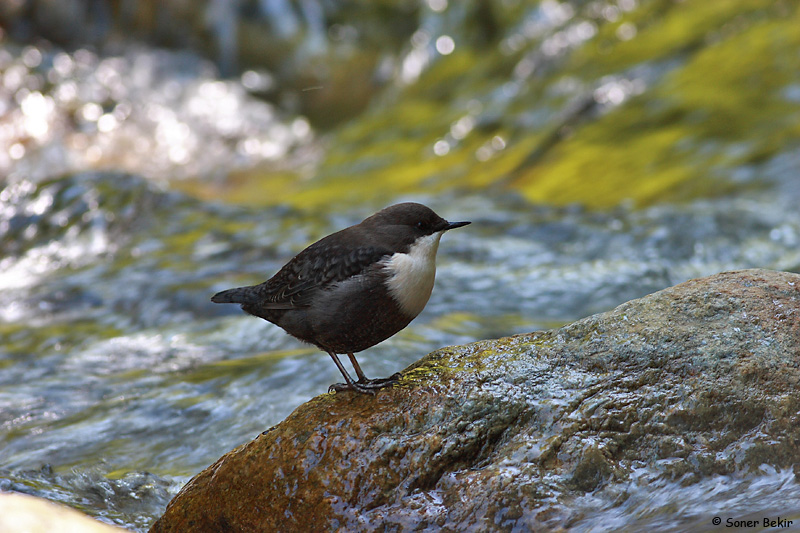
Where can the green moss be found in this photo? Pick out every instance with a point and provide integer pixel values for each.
(666, 29)
(721, 109)
(713, 75)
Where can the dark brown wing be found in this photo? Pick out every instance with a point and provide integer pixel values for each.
(315, 268)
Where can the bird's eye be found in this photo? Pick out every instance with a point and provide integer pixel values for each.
(420, 225)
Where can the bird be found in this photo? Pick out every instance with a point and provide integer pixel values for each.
(354, 288)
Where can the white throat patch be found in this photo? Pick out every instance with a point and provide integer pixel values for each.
(411, 275)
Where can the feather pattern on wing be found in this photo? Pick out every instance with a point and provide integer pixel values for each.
(315, 268)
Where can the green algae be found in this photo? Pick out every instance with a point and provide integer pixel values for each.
(666, 29)
(231, 369)
(470, 358)
(676, 141)
(26, 340)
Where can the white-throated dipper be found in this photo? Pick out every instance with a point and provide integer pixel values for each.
(354, 288)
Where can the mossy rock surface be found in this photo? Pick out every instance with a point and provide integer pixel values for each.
(693, 381)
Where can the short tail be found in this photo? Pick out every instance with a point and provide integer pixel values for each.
(241, 295)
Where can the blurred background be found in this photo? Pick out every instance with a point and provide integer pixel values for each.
(155, 152)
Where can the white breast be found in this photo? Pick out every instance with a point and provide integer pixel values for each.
(411, 275)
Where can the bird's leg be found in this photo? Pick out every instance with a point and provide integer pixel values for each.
(372, 383)
(349, 383)
(360, 373)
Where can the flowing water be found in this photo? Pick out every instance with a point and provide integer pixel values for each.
(119, 379)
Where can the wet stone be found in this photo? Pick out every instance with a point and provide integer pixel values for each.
(693, 381)
(28, 514)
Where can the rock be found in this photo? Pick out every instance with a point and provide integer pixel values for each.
(21, 513)
(695, 380)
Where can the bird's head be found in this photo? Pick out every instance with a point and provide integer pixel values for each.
(409, 222)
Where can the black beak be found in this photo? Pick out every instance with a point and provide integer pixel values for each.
(454, 225)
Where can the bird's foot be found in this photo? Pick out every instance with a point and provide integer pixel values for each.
(381, 382)
(366, 386)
